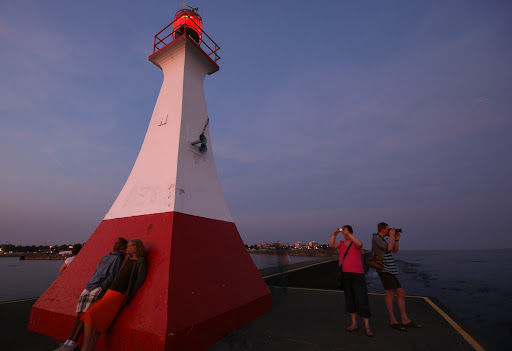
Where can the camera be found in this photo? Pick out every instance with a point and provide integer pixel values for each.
(397, 230)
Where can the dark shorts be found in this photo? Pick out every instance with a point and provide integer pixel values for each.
(389, 281)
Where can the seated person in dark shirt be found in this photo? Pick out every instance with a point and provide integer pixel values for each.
(132, 274)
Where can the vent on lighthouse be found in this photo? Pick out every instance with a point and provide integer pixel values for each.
(188, 21)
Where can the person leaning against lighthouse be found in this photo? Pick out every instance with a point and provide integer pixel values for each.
(128, 280)
(100, 281)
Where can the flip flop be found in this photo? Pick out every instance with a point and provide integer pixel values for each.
(368, 332)
(398, 327)
(351, 329)
(411, 325)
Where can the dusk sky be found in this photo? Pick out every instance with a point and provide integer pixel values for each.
(322, 114)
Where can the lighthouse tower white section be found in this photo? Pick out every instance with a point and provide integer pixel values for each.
(170, 174)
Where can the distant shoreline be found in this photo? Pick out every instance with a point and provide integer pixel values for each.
(294, 252)
(32, 257)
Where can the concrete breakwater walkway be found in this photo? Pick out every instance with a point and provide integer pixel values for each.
(309, 316)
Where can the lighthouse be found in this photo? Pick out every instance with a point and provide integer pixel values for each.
(201, 283)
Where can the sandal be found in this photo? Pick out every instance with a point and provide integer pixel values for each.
(352, 328)
(368, 332)
(397, 327)
(411, 325)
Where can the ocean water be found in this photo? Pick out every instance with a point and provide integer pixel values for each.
(28, 279)
(264, 261)
(474, 284)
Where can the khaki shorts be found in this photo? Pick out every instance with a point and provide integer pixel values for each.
(87, 298)
(389, 281)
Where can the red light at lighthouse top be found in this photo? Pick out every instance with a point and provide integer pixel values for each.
(190, 22)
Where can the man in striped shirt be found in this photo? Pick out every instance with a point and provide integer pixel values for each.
(385, 249)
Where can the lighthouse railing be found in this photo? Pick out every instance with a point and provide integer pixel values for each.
(167, 36)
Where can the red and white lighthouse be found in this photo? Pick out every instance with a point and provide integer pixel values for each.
(201, 282)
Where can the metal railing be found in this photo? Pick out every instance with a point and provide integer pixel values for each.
(167, 35)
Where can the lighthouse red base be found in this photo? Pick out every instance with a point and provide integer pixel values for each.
(201, 285)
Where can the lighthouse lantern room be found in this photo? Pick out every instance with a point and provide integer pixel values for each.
(190, 22)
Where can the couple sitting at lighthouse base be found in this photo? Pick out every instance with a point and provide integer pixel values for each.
(114, 282)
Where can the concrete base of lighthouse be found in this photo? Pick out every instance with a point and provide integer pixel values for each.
(201, 285)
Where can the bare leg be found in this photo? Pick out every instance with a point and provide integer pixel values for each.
(75, 327)
(94, 338)
(78, 329)
(87, 335)
(90, 338)
(390, 294)
(367, 328)
(366, 323)
(354, 320)
(400, 300)
(353, 326)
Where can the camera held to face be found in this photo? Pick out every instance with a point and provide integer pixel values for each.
(397, 230)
